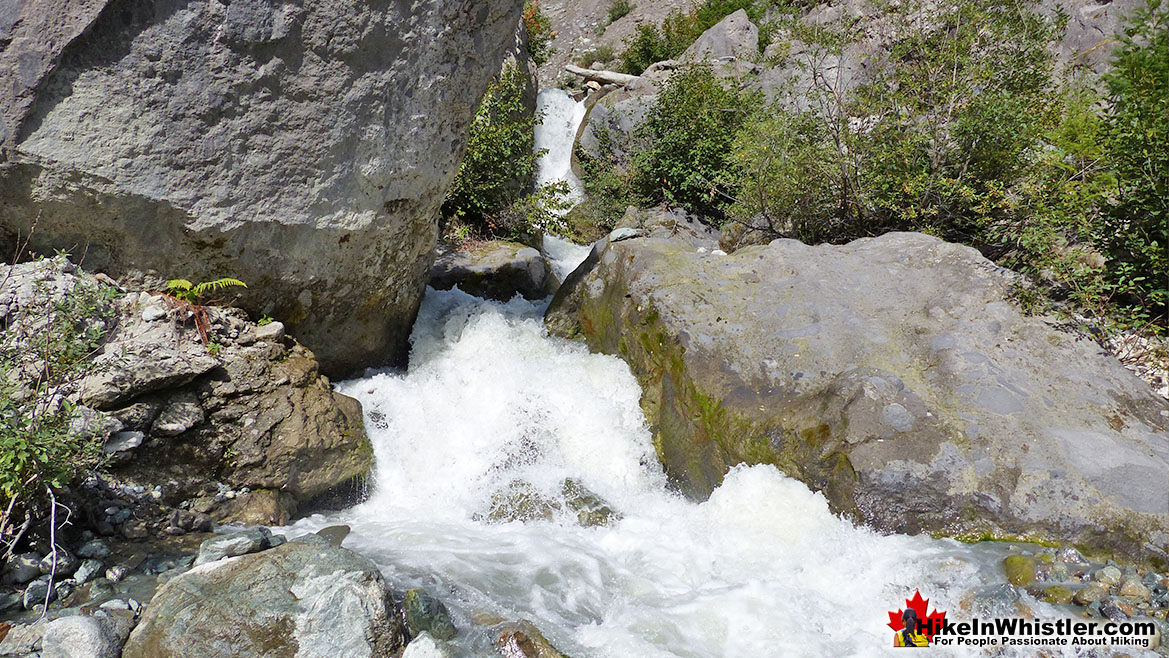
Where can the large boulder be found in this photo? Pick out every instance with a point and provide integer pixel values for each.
(495, 269)
(242, 428)
(302, 147)
(893, 374)
(298, 600)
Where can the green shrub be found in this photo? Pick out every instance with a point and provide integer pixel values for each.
(679, 30)
(618, 9)
(688, 133)
(1135, 229)
(598, 54)
(39, 452)
(540, 33)
(499, 162)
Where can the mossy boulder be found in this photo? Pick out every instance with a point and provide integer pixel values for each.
(1021, 570)
(893, 374)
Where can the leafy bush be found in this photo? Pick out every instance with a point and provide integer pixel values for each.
(540, 33)
(618, 9)
(499, 162)
(598, 54)
(492, 193)
(689, 132)
(651, 44)
(39, 450)
(1135, 229)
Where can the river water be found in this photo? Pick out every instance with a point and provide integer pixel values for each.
(492, 409)
(762, 568)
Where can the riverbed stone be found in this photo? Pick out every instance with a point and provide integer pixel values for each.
(1020, 569)
(80, 637)
(294, 601)
(22, 568)
(426, 614)
(241, 542)
(893, 374)
(1091, 594)
(425, 646)
(523, 640)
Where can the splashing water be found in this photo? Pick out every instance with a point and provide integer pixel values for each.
(491, 403)
(557, 134)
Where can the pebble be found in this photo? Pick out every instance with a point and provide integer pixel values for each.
(1132, 586)
(116, 573)
(36, 592)
(1108, 576)
(1091, 594)
(87, 571)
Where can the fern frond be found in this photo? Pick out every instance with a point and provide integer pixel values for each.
(218, 284)
(179, 284)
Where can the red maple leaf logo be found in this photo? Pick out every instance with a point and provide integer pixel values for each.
(930, 623)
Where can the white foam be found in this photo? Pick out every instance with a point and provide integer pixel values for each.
(763, 568)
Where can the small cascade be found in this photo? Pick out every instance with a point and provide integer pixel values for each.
(557, 134)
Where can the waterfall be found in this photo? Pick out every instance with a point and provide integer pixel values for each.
(557, 134)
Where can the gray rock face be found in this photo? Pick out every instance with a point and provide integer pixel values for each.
(294, 601)
(890, 373)
(233, 544)
(731, 46)
(302, 147)
(494, 270)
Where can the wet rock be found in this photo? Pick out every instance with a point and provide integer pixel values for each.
(1020, 569)
(116, 573)
(80, 637)
(251, 540)
(87, 571)
(1133, 587)
(95, 549)
(590, 509)
(523, 640)
(494, 270)
(520, 501)
(819, 358)
(38, 592)
(61, 563)
(425, 613)
(1056, 594)
(425, 646)
(297, 599)
(1093, 593)
(10, 601)
(334, 534)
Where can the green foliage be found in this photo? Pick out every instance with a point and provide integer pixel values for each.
(37, 447)
(532, 215)
(594, 55)
(680, 29)
(265, 320)
(1135, 229)
(618, 9)
(186, 291)
(499, 163)
(540, 33)
(608, 189)
(689, 132)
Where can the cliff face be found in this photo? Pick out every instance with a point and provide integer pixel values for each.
(304, 146)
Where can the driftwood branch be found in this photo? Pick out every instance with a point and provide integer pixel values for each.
(603, 77)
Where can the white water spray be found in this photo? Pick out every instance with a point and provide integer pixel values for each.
(760, 569)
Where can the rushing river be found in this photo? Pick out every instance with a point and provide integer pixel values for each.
(760, 569)
(492, 409)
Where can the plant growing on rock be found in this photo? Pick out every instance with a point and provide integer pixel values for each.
(184, 295)
(45, 444)
(493, 189)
